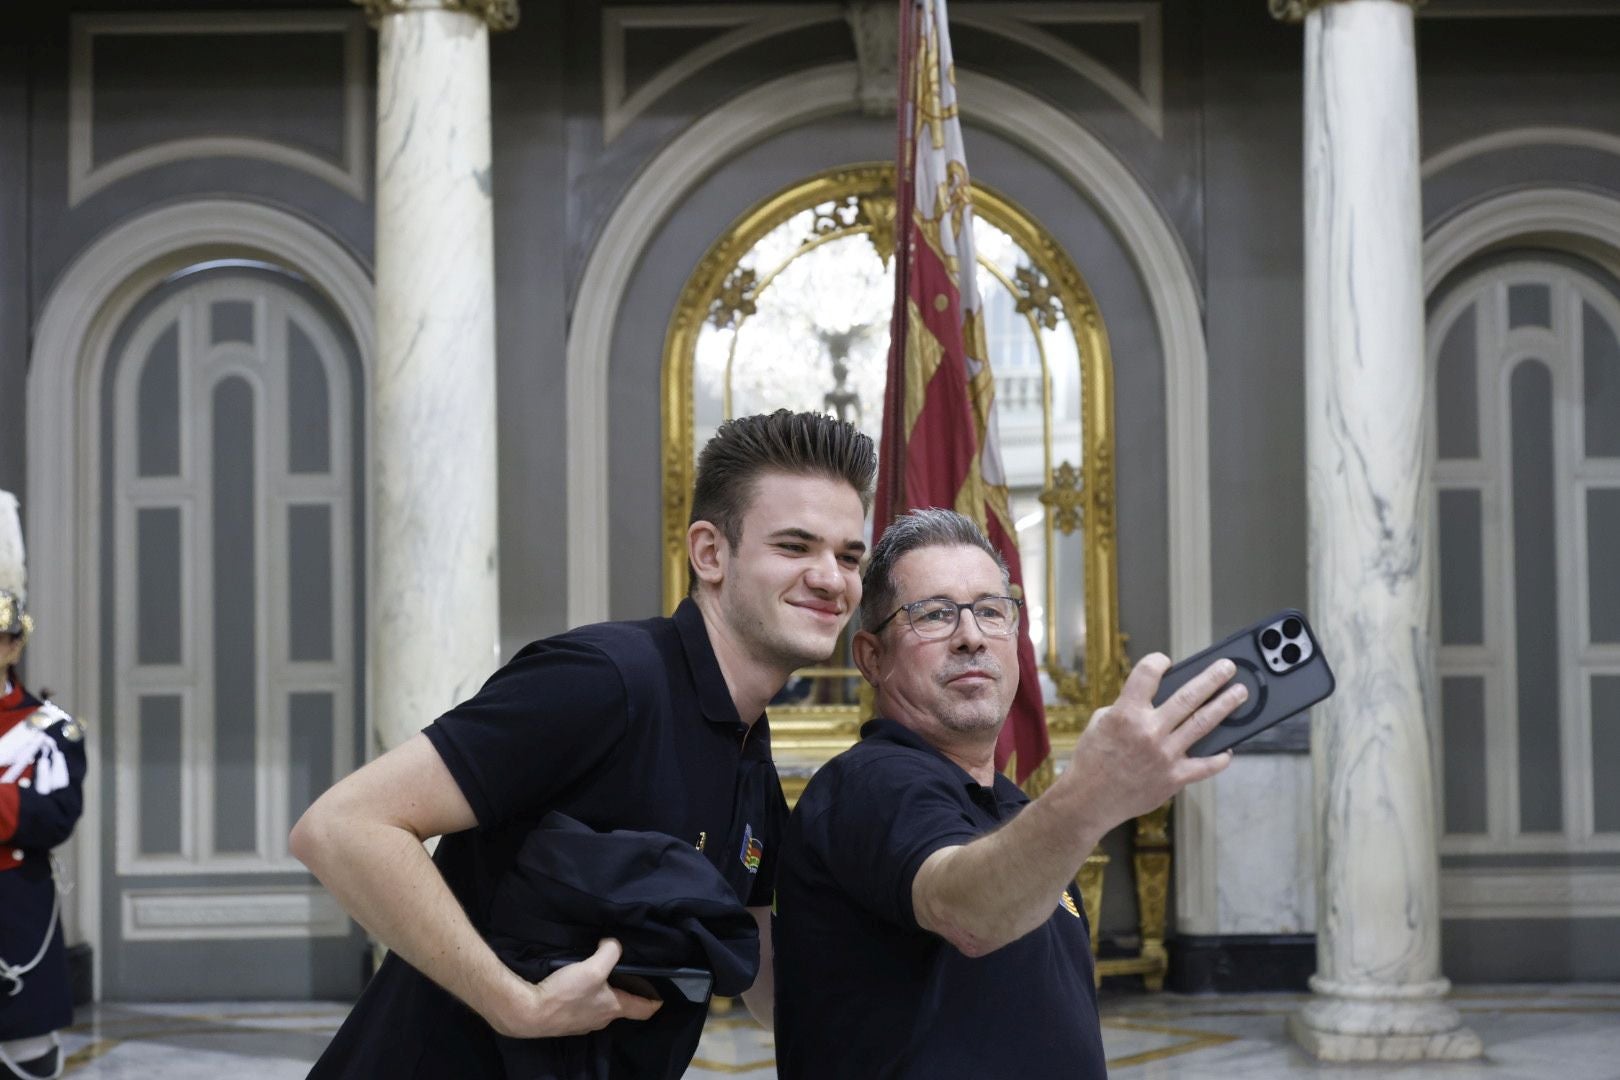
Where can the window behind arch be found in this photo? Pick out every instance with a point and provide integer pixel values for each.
(1525, 356)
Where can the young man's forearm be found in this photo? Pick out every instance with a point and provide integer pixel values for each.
(382, 875)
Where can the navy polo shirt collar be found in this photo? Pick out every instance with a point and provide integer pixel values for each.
(1003, 792)
(714, 696)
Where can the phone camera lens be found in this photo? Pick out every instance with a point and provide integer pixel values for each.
(1291, 628)
(1271, 639)
(1290, 653)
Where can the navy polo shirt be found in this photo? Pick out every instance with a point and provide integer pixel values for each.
(619, 726)
(861, 989)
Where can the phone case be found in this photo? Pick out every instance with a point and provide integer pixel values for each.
(1281, 682)
(688, 984)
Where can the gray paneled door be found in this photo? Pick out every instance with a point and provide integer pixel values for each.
(1525, 354)
(232, 538)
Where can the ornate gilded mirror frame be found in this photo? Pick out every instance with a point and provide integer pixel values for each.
(1076, 497)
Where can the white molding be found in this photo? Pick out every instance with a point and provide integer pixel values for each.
(1079, 156)
(749, 23)
(1022, 23)
(76, 324)
(1546, 215)
(86, 178)
(1535, 893)
(296, 911)
(1195, 823)
(1517, 139)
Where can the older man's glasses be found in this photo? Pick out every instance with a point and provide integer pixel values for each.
(937, 617)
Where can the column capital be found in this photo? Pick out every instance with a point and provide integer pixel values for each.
(1293, 11)
(496, 14)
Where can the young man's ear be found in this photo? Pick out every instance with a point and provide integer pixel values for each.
(864, 647)
(707, 551)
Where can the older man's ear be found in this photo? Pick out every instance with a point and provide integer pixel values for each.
(866, 648)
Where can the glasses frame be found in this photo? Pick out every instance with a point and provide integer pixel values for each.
(1017, 604)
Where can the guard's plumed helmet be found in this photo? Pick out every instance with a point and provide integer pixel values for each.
(13, 572)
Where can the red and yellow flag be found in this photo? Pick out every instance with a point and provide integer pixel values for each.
(940, 446)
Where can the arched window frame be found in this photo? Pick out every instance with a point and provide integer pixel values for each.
(1479, 290)
(1082, 493)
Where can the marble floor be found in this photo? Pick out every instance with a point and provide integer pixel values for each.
(1567, 1032)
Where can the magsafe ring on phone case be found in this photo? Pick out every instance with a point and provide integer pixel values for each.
(1251, 678)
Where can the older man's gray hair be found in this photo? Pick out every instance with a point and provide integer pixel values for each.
(910, 531)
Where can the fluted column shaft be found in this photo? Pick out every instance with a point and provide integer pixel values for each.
(435, 620)
(1380, 994)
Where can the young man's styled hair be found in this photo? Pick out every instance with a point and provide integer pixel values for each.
(909, 532)
(799, 444)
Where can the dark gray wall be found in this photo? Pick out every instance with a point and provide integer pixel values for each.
(1254, 313)
(1479, 76)
(13, 260)
(530, 72)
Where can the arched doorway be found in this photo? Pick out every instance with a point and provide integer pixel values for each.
(231, 586)
(256, 928)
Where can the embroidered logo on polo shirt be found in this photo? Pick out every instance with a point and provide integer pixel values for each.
(752, 850)
(1068, 904)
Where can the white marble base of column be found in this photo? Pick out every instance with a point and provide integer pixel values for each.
(1402, 1028)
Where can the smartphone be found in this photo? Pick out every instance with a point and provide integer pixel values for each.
(1278, 659)
(682, 984)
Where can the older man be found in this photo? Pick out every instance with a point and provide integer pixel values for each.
(925, 924)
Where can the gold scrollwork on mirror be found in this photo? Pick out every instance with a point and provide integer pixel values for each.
(790, 309)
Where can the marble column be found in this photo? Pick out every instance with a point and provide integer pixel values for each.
(434, 618)
(1379, 993)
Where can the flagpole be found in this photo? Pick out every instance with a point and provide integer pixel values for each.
(891, 493)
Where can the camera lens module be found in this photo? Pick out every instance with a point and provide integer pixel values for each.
(1291, 629)
(1271, 639)
(1290, 653)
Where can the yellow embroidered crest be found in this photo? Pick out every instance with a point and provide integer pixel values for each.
(1068, 904)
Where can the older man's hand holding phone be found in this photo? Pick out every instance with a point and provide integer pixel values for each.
(1277, 660)
(1174, 725)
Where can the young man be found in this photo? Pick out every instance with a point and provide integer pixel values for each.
(925, 925)
(655, 725)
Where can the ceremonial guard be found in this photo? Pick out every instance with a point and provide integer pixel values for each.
(42, 765)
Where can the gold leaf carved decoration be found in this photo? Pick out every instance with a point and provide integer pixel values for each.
(736, 299)
(878, 213)
(1035, 295)
(1063, 498)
